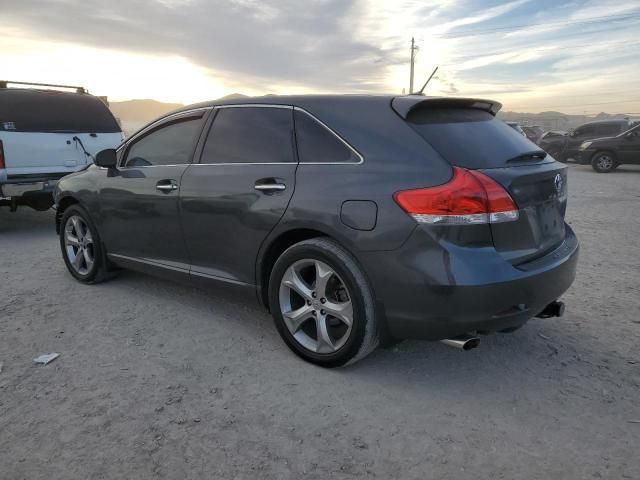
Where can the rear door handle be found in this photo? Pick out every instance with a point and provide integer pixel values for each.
(167, 185)
(269, 185)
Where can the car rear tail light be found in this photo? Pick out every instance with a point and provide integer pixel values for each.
(470, 197)
(2, 164)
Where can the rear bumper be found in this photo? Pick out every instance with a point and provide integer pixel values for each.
(28, 185)
(430, 292)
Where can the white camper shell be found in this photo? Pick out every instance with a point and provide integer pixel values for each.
(45, 135)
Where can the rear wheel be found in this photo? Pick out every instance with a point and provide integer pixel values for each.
(603, 162)
(322, 304)
(82, 249)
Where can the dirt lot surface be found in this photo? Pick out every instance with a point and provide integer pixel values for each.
(159, 380)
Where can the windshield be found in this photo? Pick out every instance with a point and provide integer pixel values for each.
(631, 130)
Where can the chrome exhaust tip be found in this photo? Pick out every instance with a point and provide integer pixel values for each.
(463, 342)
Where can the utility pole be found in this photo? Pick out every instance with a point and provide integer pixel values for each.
(414, 49)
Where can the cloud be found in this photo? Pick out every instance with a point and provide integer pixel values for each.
(278, 46)
(242, 41)
(481, 16)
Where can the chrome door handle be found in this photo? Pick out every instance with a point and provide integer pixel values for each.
(166, 187)
(267, 187)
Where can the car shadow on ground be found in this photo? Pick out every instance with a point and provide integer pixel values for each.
(537, 357)
(26, 220)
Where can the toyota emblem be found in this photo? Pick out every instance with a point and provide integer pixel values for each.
(558, 183)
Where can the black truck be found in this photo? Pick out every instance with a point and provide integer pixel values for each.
(564, 147)
(606, 154)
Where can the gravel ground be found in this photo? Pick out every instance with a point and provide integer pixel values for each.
(161, 380)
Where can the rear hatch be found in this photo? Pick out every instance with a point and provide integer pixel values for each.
(51, 132)
(472, 138)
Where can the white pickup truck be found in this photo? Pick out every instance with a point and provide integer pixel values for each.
(45, 135)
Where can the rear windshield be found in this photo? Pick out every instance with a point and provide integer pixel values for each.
(469, 137)
(51, 112)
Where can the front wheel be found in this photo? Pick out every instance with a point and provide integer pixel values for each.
(82, 249)
(322, 304)
(603, 162)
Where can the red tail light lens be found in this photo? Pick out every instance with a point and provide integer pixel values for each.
(2, 164)
(470, 197)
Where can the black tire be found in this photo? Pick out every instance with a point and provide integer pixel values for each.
(604, 162)
(363, 337)
(98, 272)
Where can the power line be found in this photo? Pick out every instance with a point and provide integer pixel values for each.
(599, 19)
(555, 52)
(501, 52)
(601, 94)
(586, 104)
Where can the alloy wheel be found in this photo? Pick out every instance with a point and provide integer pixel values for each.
(604, 162)
(316, 306)
(79, 246)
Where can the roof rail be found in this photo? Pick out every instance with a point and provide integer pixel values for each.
(6, 83)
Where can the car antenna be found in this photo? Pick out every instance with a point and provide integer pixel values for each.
(428, 80)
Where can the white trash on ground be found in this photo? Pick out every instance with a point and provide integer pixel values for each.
(46, 358)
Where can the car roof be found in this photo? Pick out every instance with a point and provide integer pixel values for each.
(296, 100)
(402, 104)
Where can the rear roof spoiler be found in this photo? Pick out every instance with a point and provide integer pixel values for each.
(405, 104)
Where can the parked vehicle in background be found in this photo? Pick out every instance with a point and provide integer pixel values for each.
(516, 126)
(45, 135)
(552, 134)
(533, 133)
(352, 218)
(563, 148)
(606, 154)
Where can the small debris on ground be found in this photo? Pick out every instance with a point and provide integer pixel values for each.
(543, 336)
(633, 421)
(46, 358)
(1, 365)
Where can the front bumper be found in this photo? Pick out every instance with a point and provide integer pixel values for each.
(436, 293)
(584, 157)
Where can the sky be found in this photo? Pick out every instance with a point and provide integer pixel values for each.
(577, 56)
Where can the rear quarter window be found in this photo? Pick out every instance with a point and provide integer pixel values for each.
(470, 138)
(317, 144)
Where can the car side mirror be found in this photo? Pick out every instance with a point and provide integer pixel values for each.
(107, 158)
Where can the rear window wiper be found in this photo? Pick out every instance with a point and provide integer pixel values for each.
(534, 156)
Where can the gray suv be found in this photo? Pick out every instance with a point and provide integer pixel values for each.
(355, 220)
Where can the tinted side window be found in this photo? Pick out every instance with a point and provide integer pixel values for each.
(170, 144)
(584, 130)
(317, 144)
(250, 135)
(609, 129)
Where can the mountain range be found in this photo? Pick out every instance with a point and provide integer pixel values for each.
(135, 114)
